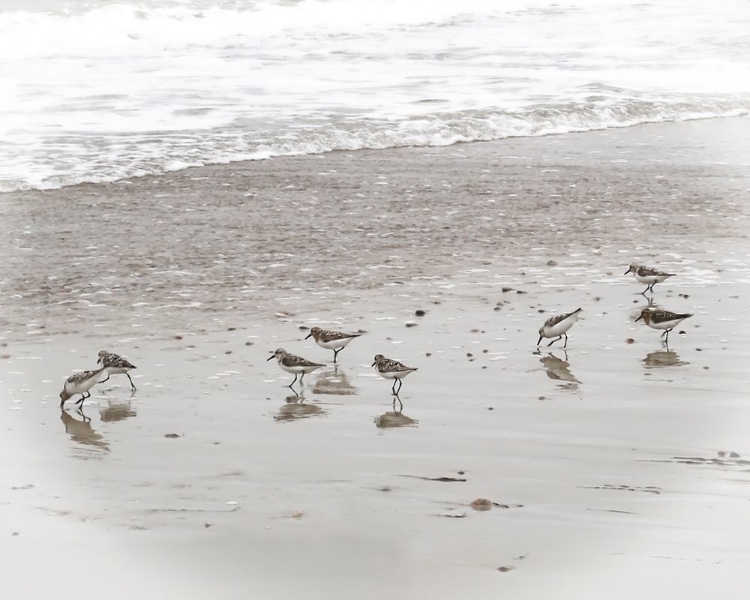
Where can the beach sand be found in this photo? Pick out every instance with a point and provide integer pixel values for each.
(619, 468)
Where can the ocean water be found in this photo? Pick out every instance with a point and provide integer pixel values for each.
(95, 91)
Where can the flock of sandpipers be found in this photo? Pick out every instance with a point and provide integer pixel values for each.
(555, 327)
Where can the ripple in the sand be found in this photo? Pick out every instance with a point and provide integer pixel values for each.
(335, 382)
(296, 408)
(80, 430)
(663, 358)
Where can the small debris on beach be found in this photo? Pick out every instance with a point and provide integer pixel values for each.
(442, 479)
(505, 569)
(420, 313)
(172, 436)
(630, 341)
(481, 504)
(551, 263)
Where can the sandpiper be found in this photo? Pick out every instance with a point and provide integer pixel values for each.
(662, 319)
(557, 327)
(80, 383)
(648, 275)
(391, 369)
(115, 364)
(332, 340)
(294, 364)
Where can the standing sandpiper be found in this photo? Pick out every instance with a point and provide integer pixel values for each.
(80, 383)
(294, 364)
(391, 369)
(332, 340)
(662, 319)
(115, 365)
(648, 275)
(557, 327)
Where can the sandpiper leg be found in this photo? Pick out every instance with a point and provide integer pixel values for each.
(539, 341)
(132, 385)
(301, 378)
(107, 379)
(335, 354)
(553, 341)
(400, 383)
(648, 287)
(666, 340)
(295, 380)
(565, 345)
(393, 387)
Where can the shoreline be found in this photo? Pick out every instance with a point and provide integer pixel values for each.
(614, 458)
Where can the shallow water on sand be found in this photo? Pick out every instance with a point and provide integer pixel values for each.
(617, 453)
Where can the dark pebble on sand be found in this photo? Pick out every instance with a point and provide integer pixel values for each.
(551, 263)
(228, 352)
(682, 332)
(699, 349)
(733, 455)
(420, 313)
(15, 534)
(428, 353)
(178, 337)
(520, 292)
(248, 343)
(411, 324)
(469, 354)
(171, 436)
(505, 569)
(497, 308)
(507, 289)
(541, 310)
(542, 397)
(705, 368)
(630, 341)
(231, 329)
(491, 407)
(460, 472)
(304, 327)
(484, 366)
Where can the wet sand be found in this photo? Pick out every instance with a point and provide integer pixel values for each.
(614, 459)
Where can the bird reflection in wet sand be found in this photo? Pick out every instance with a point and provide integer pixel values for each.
(395, 418)
(295, 408)
(116, 412)
(663, 358)
(335, 382)
(559, 370)
(80, 430)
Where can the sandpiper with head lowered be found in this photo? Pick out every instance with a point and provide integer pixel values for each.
(648, 275)
(80, 383)
(332, 340)
(391, 369)
(662, 319)
(115, 364)
(558, 326)
(294, 364)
